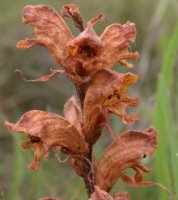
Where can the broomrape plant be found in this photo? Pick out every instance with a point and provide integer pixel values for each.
(87, 60)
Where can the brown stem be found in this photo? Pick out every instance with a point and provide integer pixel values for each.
(81, 95)
(89, 174)
(87, 166)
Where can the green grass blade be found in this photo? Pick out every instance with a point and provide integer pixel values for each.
(167, 173)
(16, 173)
(170, 57)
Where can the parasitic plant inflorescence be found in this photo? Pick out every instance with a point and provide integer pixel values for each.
(87, 60)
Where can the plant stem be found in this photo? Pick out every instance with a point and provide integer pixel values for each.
(89, 174)
(81, 95)
(87, 165)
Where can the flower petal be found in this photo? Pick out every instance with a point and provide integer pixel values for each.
(128, 154)
(121, 196)
(72, 113)
(71, 11)
(48, 198)
(100, 194)
(85, 45)
(95, 52)
(48, 130)
(50, 30)
(107, 93)
(116, 39)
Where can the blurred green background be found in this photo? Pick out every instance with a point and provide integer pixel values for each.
(157, 42)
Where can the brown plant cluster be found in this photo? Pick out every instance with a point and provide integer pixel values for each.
(87, 60)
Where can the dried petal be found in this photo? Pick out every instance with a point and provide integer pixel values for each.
(71, 11)
(48, 198)
(48, 130)
(50, 30)
(118, 157)
(107, 93)
(93, 126)
(121, 196)
(109, 90)
(74, 78)
(85, 45)
(116, 39)
(40, 79)
(100, 194)
(72, 113)
(111, 47)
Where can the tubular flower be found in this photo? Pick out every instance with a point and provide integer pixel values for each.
(118, 157)
(107, 93)
(48, 198)
(85, 53)
(103, 195)
(96, 52)
(47, 130)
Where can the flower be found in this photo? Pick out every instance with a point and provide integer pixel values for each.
(96, 52)
(48, 198)
(107, 93)
(126, 152)
(46, 130)
(100, 194)
(84, 53)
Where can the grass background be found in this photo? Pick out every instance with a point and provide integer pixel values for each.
(157, 42)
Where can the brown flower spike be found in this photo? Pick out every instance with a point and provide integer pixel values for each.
(87, 60)
(107, 93)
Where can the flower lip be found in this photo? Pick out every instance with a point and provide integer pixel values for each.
(130, 29)
(85, 53)
(34, 139)
(118, 157)
(87, 43)
(47, 131)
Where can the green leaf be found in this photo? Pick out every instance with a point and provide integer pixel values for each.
(166, 160)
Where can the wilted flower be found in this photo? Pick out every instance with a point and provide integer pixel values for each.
(100, 194)
(85, 53)
(107, 93)
(118, 157)
(48, 198)
(47, 130)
